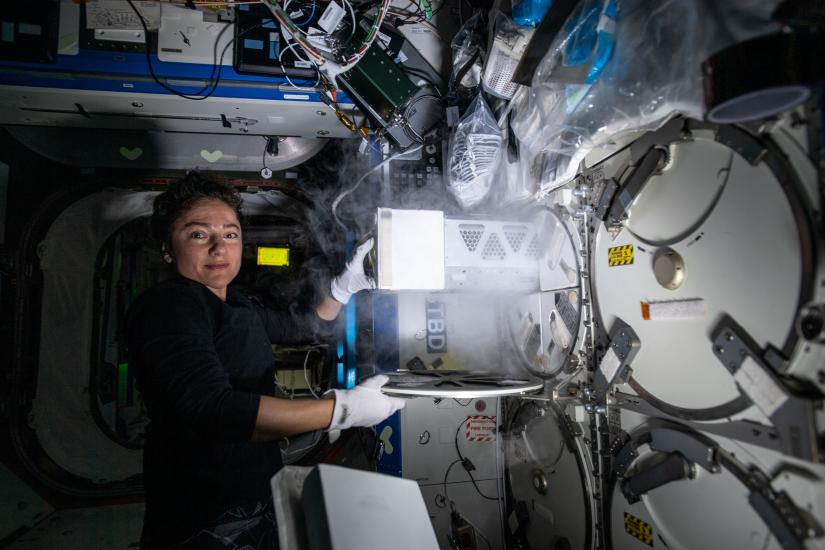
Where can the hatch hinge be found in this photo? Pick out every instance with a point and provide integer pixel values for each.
(791, 414)
(614, 367)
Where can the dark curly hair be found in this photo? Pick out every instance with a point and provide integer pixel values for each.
(182, 195)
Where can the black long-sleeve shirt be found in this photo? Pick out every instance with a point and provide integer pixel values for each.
(201, 366)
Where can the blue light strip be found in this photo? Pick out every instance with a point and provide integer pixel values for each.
(339, 373)
(149, 87)
(350, 359)
(117, 70)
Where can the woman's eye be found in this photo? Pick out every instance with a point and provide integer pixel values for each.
(197, 235)
(232, 235)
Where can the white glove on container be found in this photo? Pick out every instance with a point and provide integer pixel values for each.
(364, 405)
(353, 278)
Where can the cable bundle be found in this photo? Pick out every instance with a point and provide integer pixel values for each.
(329, 67)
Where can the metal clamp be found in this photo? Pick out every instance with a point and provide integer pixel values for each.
(792, 415)
(614, 367)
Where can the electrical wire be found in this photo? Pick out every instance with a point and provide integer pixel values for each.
(411, 18)
(407, 17)
(328, 99)
(278, 383)
(375, 168)
(420, 14)
(452, 505)
(297, 53)
(352, 14)
(409, 131)
(229, 3)
(306, 378)
(326, 64)
(293, 30)
(428, 13)
(314, 87)
(462, 459)
(478, 531)
(439, 8)
(308, 19)
(266, 152)
(219, 65)
(263, 156)
(422, 75)
(292, 46)
(373, 32)
(216, 65)
(447, 473)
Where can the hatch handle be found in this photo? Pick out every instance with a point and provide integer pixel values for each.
(649, 164)
(672, 468)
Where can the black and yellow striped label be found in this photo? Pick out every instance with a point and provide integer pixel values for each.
(639, 529)
(620, 255)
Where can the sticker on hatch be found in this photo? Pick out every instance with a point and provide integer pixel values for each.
(638, 529)
(620, 255)
(480, 428)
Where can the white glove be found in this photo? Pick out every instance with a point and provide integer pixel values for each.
(364, 405)
(353, 278)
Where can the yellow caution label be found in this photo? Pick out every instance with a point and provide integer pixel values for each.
(620, 255)
(638, 529)
(270, 255)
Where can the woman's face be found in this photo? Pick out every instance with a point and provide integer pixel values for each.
(206, 245)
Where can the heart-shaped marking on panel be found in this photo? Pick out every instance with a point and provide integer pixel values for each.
(386, 433)
(131, 154)
(213, 156)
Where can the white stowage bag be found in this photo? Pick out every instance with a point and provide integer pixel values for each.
(474, 152)
(638, 63)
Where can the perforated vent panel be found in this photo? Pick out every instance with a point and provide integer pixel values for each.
(532, 248)
(490, 255)
(471, 234)
(493, 249)
(498, 73)
(515, 235)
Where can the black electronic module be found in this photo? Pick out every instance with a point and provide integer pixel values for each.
(261, 46)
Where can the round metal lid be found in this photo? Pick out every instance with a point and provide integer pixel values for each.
(728, 499)
(711, 229)
(549, 479)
